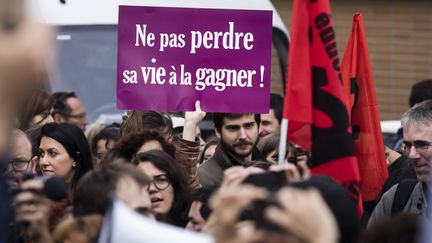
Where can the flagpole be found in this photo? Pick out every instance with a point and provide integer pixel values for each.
(283, 141)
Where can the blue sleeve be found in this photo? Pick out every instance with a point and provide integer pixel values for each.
(6, 211)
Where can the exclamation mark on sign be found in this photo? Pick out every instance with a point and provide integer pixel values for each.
(262, 76)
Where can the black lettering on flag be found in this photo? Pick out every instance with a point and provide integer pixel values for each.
(310, 34)
(331, 50)
(334, 142)
(322, 20)
(336, 64)
(354, 90)
(327, 35)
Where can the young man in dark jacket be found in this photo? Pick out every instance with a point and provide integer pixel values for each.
(238, 135)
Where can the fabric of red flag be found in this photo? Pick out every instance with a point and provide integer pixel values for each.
(365, 122)
(298, 97)
(315, 104)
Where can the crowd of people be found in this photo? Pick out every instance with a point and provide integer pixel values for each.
(59, 176)
(228, 186)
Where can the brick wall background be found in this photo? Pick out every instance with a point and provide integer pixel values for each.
(399, 35)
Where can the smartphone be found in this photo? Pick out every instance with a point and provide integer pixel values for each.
(271, 181)
(255, 212)
(259, 218)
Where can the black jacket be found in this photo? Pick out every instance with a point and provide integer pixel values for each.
(211, 171)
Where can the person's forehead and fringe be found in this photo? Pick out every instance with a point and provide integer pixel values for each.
(136, 121)
(420, 113)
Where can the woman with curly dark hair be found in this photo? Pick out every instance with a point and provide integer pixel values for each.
(169, 190)
(187, 146)
(130, 145)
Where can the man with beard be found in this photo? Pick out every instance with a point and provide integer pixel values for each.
(238, 134)
(417, 141)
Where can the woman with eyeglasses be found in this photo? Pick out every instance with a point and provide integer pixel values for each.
(169, 190)
(63, 152)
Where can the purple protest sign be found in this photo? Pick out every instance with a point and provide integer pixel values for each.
(170, 57)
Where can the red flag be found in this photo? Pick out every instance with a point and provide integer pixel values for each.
(365, 122)
(315, 103)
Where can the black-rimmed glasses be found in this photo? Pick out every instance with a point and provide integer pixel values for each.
(19, 164)
(419, 145)
(161, 182)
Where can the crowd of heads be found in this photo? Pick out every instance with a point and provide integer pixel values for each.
(228, 185)
(61, 177)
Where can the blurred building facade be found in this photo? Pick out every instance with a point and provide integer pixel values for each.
(399, 34)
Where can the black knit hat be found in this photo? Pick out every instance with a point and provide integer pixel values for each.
(342, 206)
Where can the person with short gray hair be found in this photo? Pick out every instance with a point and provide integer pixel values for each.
(417, 143)
(420, 113)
